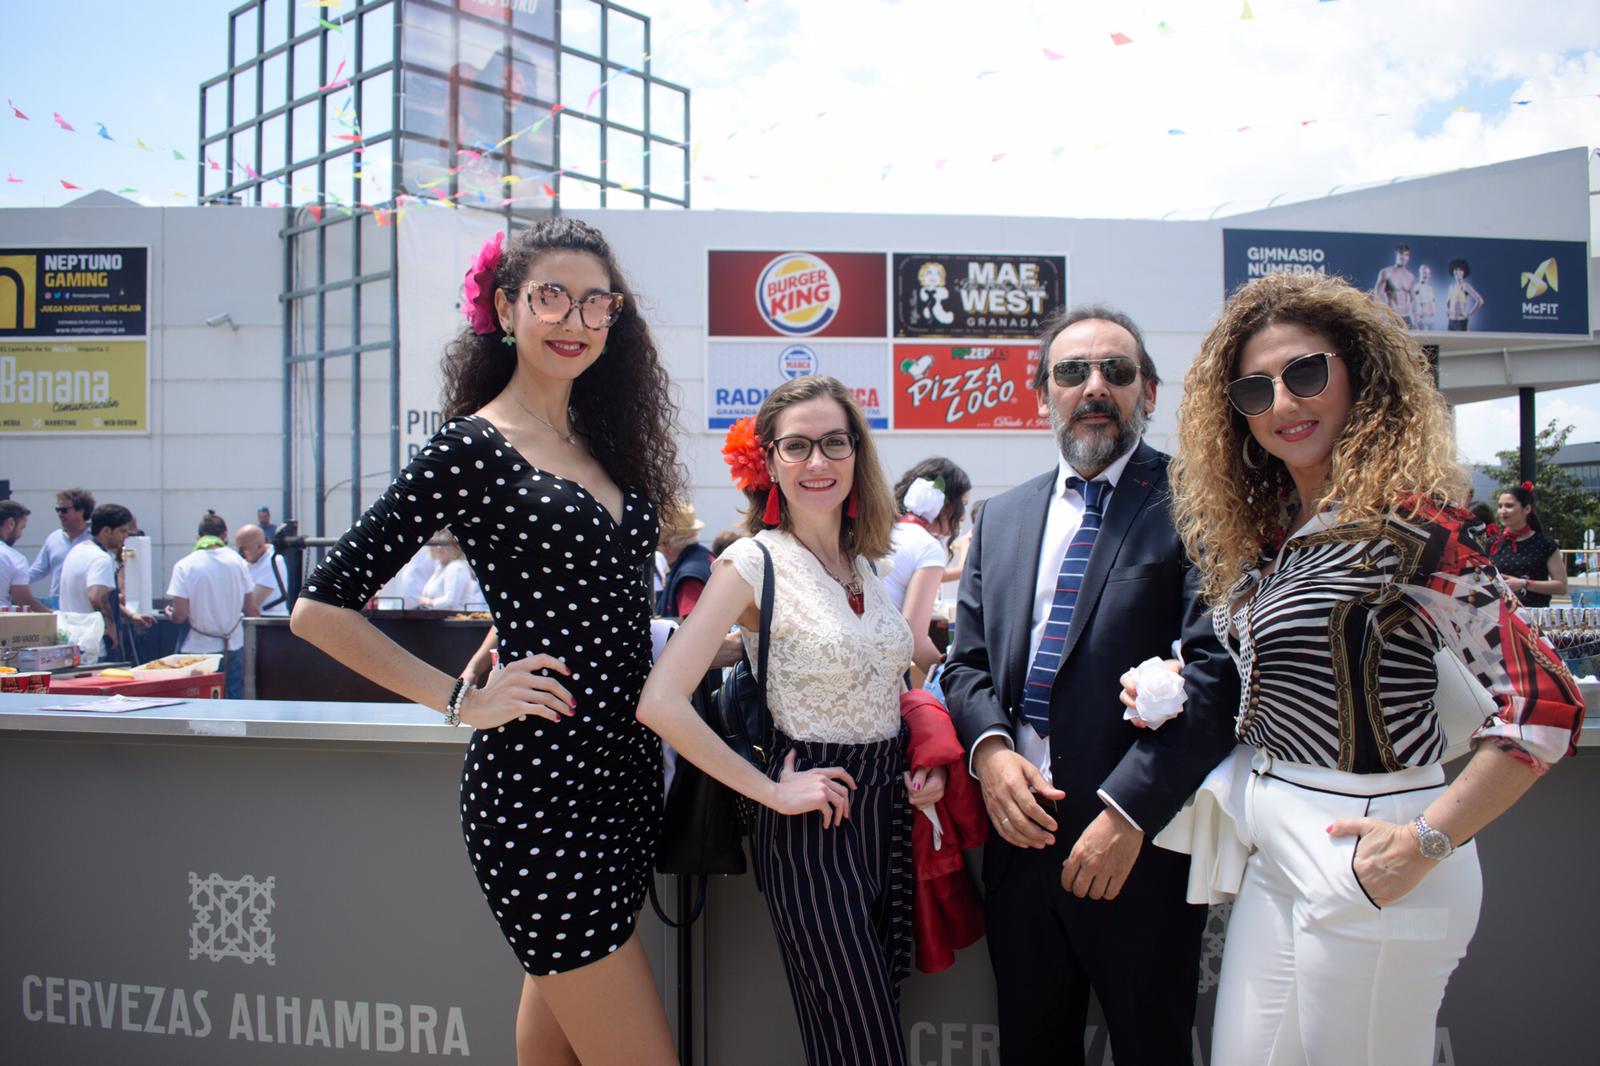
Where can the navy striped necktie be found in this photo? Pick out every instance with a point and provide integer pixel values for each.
(1047, 660)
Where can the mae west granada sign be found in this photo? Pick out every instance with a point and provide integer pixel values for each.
(74, 292)
(79, 386)
(982, 385)
(796, 294)
(976, 295)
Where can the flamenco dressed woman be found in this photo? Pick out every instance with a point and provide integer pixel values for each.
(549, 471)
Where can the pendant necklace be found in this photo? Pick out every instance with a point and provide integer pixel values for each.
(568, 438)
(853, 592)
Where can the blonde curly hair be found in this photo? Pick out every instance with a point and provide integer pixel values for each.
(1397, 448)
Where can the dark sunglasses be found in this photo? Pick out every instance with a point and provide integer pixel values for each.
(1304, 376)
(1118, 370)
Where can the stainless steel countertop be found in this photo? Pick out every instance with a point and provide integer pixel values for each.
(391, 723)
(395, 723)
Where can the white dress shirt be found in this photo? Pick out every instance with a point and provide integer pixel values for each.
(1060, 524)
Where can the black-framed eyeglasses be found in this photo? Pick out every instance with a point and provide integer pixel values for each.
(796, 448)
(1304, 376)
(64, 510)
(1118, 370)
(553, 304)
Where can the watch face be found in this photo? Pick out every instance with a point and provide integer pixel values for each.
(1435, 845)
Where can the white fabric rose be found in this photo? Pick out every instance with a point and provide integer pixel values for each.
(924, 499)
(1161, 694)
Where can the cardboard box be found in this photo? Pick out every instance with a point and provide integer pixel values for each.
(26, 629)
(47, 657)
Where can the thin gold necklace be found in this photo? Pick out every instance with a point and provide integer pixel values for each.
(569, 437)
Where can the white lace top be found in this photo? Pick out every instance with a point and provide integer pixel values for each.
(834, 678)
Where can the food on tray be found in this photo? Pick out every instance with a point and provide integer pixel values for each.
(470, 616)
(114, 672)
(173, 662)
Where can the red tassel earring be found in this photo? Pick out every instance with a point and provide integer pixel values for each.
(772, 516)
(850, 503)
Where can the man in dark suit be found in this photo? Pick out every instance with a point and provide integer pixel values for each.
(1072, 579)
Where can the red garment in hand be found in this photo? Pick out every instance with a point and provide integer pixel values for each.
(946, 911)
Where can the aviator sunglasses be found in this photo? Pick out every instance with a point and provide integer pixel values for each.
(1118, 370)
(1304, 376)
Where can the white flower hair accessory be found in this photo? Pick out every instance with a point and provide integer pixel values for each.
(924, 499)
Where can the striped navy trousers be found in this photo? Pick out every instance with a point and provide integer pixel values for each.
(840, 902)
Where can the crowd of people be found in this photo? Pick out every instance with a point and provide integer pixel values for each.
(1302, 565)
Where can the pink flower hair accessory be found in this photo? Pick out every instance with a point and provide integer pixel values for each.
(477, 289)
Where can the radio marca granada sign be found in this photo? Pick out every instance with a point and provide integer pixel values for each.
(797, 294)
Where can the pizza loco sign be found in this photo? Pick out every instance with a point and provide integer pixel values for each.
(923, 341)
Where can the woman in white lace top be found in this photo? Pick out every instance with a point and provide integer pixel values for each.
(832, 839)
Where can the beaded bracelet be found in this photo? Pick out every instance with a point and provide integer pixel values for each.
(452, 707)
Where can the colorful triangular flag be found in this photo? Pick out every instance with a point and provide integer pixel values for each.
(64, 124)
(15, 112)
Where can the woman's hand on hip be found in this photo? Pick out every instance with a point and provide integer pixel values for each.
(825, 789)
(1388, 862)
(516, 691)
(925, 786)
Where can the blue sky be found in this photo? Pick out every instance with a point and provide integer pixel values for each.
(1007, 107)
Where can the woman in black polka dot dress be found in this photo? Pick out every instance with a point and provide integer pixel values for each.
(557, 446)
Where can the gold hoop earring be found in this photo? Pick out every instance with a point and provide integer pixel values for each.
(1244, 454)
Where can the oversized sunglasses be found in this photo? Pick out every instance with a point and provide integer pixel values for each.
(1304, 376)
(796, 448)
(553, 304)
(1118, 370)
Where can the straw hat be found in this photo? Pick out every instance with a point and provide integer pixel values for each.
(678, 521)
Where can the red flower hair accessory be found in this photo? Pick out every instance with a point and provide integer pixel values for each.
(477, 289)
(1528, 485)
(746, 458)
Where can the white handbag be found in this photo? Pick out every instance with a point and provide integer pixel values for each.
(1461, 702)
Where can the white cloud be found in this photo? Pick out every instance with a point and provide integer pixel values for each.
(900, 89)
(1482, 429)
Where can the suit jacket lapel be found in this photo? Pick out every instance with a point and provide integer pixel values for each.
(1029, 537)
(1127, 500)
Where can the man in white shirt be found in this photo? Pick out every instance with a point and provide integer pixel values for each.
(267, 570)
(73, 507)
(14, 590)
(211, 590)
(89, 574)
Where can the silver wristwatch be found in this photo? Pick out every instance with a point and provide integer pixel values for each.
(1431, 842)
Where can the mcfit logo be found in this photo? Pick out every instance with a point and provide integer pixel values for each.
(1540, 281)
(18, 280)
(797, 294)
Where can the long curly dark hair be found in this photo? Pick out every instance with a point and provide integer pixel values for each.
(622, 405)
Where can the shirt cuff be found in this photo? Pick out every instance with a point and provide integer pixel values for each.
(1105, 797)
(992, 731)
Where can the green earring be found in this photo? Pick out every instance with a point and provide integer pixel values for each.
(508, 340)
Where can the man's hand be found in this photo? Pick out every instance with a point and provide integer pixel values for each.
(1102, 857)
(1009, 783)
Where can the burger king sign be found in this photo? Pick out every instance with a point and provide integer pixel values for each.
(798, 294)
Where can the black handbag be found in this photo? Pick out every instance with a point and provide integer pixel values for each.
(704, 819)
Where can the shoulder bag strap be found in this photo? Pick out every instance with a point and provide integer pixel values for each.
(767, 578)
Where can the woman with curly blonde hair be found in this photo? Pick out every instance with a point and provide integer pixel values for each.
(1313, 487)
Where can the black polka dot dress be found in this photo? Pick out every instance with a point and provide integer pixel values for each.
(560, 819)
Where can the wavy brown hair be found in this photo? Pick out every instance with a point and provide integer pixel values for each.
(1397, 445)
(622, 405)
(867, 534)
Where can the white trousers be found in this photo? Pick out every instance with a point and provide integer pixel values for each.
(1314, 973)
